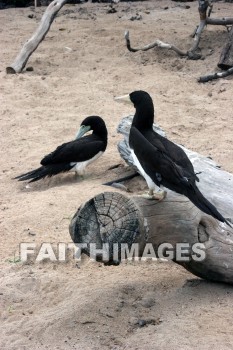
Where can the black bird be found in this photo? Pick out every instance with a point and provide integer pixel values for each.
(160, 161)
(74, 155)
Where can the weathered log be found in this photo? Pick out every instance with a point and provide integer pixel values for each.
(117, 220)
(226, 58)
(31, 45)
(115, 223)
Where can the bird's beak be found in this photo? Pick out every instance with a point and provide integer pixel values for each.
(82, 130)
(125, 98)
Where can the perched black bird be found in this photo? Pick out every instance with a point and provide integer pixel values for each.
(160, 161)
(74, 155)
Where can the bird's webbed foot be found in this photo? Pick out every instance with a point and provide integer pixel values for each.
(152, 195)
(82, 176)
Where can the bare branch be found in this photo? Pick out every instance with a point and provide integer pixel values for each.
(156, 43)
(213, 76)
(191, 53)
(220, 21)
(197, 37)
(122, 179)
(31, 45)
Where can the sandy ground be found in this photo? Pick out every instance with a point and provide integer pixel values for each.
(79, 67)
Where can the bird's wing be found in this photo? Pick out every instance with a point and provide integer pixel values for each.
(78, 150)
(174, 152)
(173, 177)
(153, 160)
(177, 154)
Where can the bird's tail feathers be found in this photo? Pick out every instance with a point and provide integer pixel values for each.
(34, 175)
(43, 171)
(197, 198)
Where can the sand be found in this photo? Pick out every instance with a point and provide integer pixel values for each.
(78, 69)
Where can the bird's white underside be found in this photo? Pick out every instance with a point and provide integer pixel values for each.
(80, 167)
(150, 183)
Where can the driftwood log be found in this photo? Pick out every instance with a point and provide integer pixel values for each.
(31, 45)
(116, 219)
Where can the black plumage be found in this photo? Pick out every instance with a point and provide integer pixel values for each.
(162, 162)
(143, 120)
(74, 155)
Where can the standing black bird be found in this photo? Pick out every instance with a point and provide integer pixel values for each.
(74, 155)
(160, 161)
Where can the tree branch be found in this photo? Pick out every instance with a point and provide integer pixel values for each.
(31, 45)
(220, 21)
(156, 43)
(191, 53)
(214, 76)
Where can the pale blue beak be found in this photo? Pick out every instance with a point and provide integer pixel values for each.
(124, 98)
(82, 130)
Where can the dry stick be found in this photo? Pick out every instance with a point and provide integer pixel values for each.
(122, 179)
(203, 6)
(31, 45)
(157, 43)
(191, 53)
(213, 76)
(220, 21)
